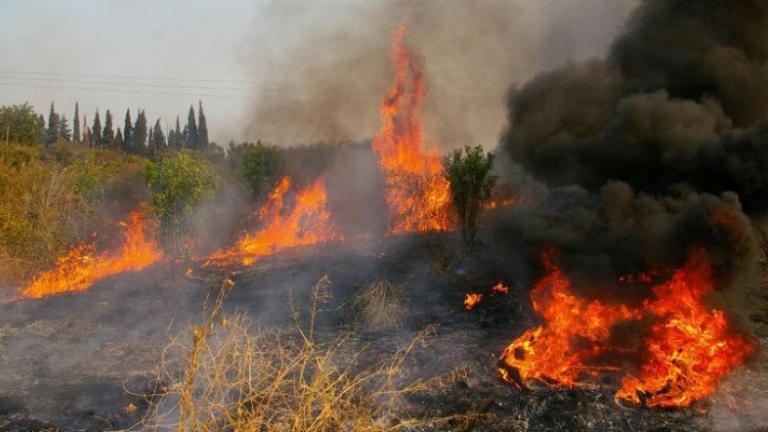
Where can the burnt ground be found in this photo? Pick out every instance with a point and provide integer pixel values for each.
(82, 361)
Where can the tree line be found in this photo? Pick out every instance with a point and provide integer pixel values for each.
(20, 123)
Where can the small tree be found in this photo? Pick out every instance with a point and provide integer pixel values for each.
(178, 183)
(261, 165)
(469, 173)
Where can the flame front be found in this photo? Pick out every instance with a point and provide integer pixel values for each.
(689, 348)
(552, 353)
(307, 223)
(417, 192)
(80, 268)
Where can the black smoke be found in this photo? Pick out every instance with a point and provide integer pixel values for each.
(660, 147)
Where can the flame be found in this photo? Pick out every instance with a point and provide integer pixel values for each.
(80, 268)
(551, 352)
(417, 192)
(689, 348)
(307, 223)
(472, 300)
(500, 288)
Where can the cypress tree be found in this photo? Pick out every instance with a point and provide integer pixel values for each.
(202, 127)
(191, 139)
(76, 125)
(159, 137)
(178, 143)
(119, 143)
(108, 135)
(86, 132)
(52, 133)
(128, 133)
(96, 131)
(65, 132)
(139, 133)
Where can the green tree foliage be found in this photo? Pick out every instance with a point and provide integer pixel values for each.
(76, 125)
(65, 133)
(95, 137)
(469, 173)
(139, 134)
(190, 131)
(23, 125)
(52, 133)
(202, 128)
(158, 144)
(178, 183)
(128, 133)
(119, 140)
(108, 135)
(259, 164)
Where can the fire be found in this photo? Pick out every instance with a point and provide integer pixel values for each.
(80, 268)
(417, 192)
(472, 300)
(500, 288)
(307, 223)
(689, 346)
(552, 352)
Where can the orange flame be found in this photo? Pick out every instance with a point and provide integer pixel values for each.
(689, 348)
(417, 192)
(308, 223)
(549, 352)
(79, 269)
(472, 300)
(500, 288)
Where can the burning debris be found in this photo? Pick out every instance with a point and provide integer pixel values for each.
(81, 267)
(471, 300)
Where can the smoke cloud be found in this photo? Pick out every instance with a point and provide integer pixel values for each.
(657, 148)
(328, 62)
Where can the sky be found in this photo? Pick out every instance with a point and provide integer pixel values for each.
(289, 71)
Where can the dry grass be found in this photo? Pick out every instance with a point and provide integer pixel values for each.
(241, 378)
(380, 307)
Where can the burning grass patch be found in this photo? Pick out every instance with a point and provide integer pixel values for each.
(240, 377)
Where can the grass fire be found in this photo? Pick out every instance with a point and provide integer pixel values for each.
(401, 216)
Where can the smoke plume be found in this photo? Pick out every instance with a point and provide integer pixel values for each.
(657, 148)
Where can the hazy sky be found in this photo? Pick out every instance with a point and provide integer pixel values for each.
(245, 58)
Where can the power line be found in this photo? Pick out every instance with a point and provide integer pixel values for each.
(129, 77)
(77, 81)
(116, 90)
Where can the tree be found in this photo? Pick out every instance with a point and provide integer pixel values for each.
(202, 128)
(190, 131)
(261, 166)
(158, 144)
(128, 133)
(65, 132)
(178, 184)
(76, 125)
(86, 132)
(119, 141)
(139, 134)
(95, 137)
(22, 124)
(179, 137)
(468, 172)
(53, 127)
(108, 134)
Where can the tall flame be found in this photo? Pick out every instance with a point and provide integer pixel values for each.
(80, 268)
(307, 223)
(417, 193)
(689, 348)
